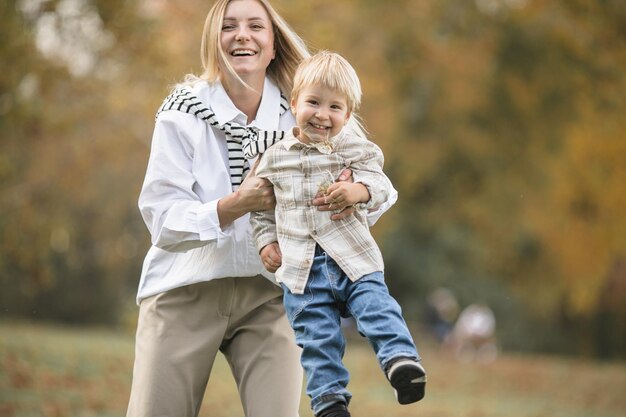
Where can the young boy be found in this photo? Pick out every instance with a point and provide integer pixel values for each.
(332, 268)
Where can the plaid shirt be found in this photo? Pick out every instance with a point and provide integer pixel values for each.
(298, 171)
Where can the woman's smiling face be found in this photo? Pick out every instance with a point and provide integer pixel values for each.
(247, 38)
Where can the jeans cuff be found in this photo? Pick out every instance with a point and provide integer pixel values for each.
(400, 355)
(325, 401)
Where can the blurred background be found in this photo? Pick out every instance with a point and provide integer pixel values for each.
(502, 122)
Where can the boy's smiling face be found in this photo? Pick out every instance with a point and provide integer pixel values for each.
(320, 113)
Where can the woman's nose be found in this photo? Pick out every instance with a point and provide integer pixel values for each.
(242, 34)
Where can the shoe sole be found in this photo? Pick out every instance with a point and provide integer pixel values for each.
(409, 382)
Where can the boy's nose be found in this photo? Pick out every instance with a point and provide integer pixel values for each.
(321, 114)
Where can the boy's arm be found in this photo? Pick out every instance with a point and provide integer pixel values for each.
(264, 232)
(263, 228)
(374, 214)
(366, 160)
(263, 222)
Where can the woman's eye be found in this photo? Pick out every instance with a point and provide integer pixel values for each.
(227, 27)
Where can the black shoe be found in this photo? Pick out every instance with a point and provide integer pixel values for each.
(408, 379)
(335, 410)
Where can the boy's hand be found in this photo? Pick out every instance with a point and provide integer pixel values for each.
(341, 196)
(271, 257)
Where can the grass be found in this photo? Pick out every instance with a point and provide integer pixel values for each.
(57, 371)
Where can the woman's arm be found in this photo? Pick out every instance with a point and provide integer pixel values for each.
(176, 216)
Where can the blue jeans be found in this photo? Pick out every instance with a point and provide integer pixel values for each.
(316, 316)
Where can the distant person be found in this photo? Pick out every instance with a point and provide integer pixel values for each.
(203, 289)
(473, 337)
(327, 268)
(442, 310)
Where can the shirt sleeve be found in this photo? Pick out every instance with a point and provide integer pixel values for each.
(374, 214)
(175, 215)
(366, 160)
(263, 228)
(263, 222)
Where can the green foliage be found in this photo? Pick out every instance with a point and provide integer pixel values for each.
(501, 122)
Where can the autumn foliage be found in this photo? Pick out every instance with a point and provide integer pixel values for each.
(501, 122)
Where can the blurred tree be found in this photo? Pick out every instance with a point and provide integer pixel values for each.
(70, 235)
(503, 101)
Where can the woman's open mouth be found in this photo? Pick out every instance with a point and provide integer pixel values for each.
(243, 52)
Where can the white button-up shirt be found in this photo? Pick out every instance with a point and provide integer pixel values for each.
(187, 175)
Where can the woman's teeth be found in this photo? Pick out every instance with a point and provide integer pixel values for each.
(243, 52)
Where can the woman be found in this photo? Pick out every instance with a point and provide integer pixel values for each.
(203, 287)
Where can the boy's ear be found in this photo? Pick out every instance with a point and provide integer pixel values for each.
(292, 106)
(348, 114)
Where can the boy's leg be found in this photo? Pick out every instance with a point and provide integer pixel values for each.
(315, 319)
(379, 318)
(178, 335)
(262, 351)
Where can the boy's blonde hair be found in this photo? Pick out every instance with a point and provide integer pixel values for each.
(330, 70)
(290, 48)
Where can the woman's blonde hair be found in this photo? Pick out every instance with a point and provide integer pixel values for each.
(333, 71)
(290, 48)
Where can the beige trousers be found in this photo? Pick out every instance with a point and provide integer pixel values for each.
(180, 332)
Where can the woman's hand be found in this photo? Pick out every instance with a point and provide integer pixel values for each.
(254, 194)
(341, 196)
(271, 257)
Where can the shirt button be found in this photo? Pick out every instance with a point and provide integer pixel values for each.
(314, 232)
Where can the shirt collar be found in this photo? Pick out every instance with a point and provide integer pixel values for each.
(291, 141)
(267, 117)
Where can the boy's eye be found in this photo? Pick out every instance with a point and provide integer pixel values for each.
(314, 102)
